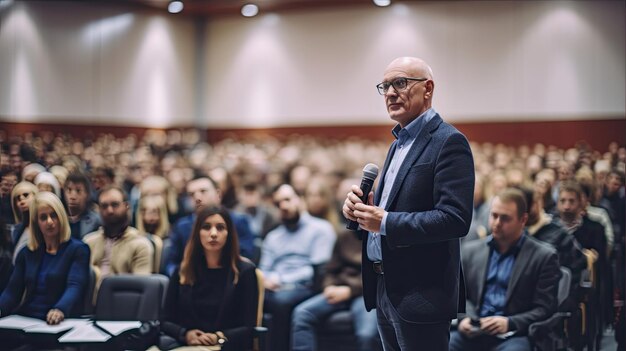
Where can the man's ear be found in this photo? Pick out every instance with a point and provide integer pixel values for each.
(524, 218)
(430, 88)
(219, 195)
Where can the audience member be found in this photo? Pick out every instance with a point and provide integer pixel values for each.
(83, 220)
(213, 299)
(480, 215)
(204, 193)
(101, 177)
(60, 173)
(542, 227)
(151, 218)
(8, 179)
(251, 202)
(51, 273)
(159, 186)
(46, 181)
(6, 255)
(590, 235)
(116, 247)
(544, 182)
(31, 170)
(614, 201)
(21, 197)
(226, 187)
(596, 214)
(342, 290)
(319, 202)
(288, 257)
(498, 272)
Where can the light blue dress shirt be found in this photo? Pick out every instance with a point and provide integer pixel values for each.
(406, 136)
(288, 255)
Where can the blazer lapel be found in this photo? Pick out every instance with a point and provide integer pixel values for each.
(421, 140)
(521, 261)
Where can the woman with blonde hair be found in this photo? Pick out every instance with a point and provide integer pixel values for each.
(21, 197)
(213, 299)
(151, 219)
(51, 273)
(152, 216)
(157, 185)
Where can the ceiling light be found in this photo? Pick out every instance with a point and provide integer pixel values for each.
(382, 3)
(249, 10)
(175, 6)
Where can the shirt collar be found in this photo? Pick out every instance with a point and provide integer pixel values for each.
(416, 125)
(514, 250)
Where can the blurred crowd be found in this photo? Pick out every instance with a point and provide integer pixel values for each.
(156, 170)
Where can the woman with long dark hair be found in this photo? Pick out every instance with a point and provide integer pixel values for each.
(213, 299)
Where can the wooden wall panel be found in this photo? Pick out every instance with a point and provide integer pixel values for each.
(563, 134)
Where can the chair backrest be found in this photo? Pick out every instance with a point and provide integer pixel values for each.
(257, 343)
(261, 286)
(588, 276)
(157, 245)
(131, 297)
(90, 290)
(167, 247)
(564, 284)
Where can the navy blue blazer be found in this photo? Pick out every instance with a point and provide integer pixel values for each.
(65, 283)
(429, 209)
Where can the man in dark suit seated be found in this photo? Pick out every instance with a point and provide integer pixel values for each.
(511, 280)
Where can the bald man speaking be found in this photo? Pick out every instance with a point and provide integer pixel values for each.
(423, 205)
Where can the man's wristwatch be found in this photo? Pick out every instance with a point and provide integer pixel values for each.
(221, 338)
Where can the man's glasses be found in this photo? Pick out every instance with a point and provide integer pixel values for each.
(398, 84)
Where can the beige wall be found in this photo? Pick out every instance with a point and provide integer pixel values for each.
(73, 62)
(517, 60)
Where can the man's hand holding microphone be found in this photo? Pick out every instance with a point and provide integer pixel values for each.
(359, 212)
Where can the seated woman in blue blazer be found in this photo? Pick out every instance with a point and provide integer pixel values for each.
(213, 299)
(52, 271)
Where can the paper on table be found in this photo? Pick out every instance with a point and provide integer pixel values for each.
(54, 329)
(85, 333)
(15, 321)
(118, 327)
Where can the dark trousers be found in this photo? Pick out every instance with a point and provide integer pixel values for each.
(460, 342)
(399, 335)
(281, 304)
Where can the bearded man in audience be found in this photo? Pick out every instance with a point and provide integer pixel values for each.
(118, 248)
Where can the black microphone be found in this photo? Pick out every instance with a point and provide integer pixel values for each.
(370, 172)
